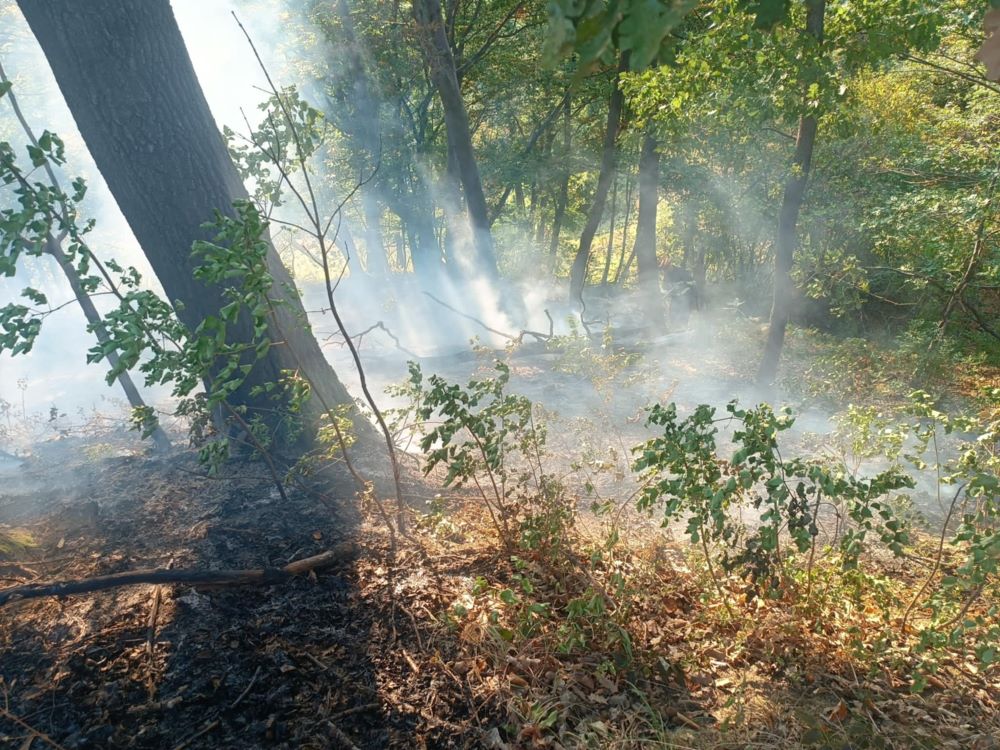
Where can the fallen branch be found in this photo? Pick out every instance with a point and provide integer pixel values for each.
(4, 713)
(338, 736)
(380, 325)
(538, 335)
(203, 731)
(258, 576)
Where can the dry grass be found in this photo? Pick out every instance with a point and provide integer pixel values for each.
(778, 675)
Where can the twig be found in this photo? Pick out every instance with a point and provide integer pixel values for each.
(261, 450)
(509, 336)
(258, 576)
(973, 595)
(357, 710)
(246, 689)
(34, 732)
(338, 735)
(937, 561)
(154, 613)
(311, 207)
(380, 325)
(409, 660)
(204, 730)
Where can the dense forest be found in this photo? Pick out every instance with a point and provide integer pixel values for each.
(500, 374)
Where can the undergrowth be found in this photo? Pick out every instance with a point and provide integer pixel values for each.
(800, 576)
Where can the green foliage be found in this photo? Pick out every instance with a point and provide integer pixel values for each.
(290, 131)
(39, 212)
(605, 366)
(686, 477)
(487, 438)
(596, 29)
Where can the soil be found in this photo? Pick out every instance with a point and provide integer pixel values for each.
(328, 660)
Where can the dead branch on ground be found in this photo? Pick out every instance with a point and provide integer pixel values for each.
(537, 335)
(256, 576)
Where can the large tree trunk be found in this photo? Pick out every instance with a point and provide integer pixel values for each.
(125, 73)
(441, 62)
(578, 273)
(788, 219)
(645, 233)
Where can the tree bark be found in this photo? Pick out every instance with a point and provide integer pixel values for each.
(787, 237)
(609, 152)
(441, 62)
(127, 78)
(645, 233)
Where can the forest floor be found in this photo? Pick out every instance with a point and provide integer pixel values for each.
(449, 643)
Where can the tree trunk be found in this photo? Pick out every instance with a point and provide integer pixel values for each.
(695, 258)
(787, 237)
(416, 218)
(126, 76)
(645, 233)
(628, 215)
(376, 261)
(434, 39)
(563, 197)
(94, 321)
(361, 108)
(611, 234)
(578, 273)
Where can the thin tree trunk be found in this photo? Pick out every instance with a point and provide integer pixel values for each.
(578, 272)
(425, 250)
(628, 215)
(695, 258)
(611, 234)
(645, 233)
(129, 83)
(628, 266)
(96, 323)
(563, 197)
(434, 39)
(94, 320)
(366, 132)
(787, 238)
(540, 224)
(978, 251)
(700, 277)
(376, 262)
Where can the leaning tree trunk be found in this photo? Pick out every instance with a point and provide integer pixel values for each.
(791, 204)
(96, 324)
(645, 233)
(609, 152)
(128, 80)
(94, 320)
(441, 62)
